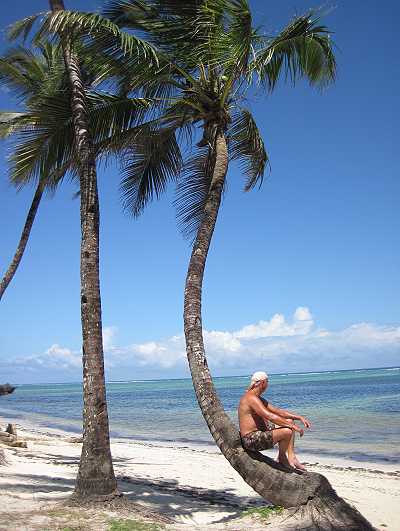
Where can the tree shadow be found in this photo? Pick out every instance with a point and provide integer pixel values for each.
(261, 458)
(62, 459)
(32, 483)
(169, 497)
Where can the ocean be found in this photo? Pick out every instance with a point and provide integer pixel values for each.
(355, 413)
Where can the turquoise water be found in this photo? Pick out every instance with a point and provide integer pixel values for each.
(355, 414)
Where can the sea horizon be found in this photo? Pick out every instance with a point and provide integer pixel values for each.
(246, 375)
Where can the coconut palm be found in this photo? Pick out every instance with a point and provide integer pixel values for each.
(213, 59)
(209, 58)
(29, 76)
(67, 131)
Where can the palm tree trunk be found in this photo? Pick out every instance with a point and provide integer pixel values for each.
(24, 238)
(320, 506)
(96, 476)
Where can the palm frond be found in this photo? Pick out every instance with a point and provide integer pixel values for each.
(302, 49)
(192, 190)
(148, 165)
(43, 144)
(22, 28)
(102, 32)
(15, 79)
(30, 73)
(241, 34)
(110, 115)
(10, 122)
(131, 14)
(247, 146)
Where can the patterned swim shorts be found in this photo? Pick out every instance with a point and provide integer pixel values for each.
(258, 440)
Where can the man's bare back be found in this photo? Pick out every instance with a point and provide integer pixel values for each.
(249, 420)
(262, 425)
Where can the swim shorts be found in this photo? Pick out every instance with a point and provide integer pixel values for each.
(258, 440)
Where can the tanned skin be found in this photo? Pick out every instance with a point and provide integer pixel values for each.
(254, 411)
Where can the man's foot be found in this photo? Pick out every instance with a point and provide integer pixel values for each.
(283, 460)
(298, 465)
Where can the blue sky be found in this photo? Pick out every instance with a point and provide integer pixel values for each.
(302, 275)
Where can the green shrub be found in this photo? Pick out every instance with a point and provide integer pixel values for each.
(263, 512)
(132, 525)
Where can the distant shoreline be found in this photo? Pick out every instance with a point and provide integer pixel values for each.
(285, 373)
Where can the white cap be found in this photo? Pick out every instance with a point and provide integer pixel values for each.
(258, 376)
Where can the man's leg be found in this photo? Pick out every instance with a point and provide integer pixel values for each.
(290, 452)
(282, 436)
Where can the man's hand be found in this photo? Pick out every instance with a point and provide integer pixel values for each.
(299, 430)
(306, 422)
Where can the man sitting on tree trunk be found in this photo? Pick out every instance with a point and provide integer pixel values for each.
(262, 425)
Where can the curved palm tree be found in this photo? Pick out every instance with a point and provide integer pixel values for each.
(209, 56)
(30, 76)
(213, 58)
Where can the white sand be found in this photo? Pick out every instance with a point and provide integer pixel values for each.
(195, 486)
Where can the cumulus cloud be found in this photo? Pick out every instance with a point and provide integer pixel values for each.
(109, 332)
(277, 345)
(281, 344)
(55, 357)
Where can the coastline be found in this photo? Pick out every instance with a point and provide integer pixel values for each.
(192, 485)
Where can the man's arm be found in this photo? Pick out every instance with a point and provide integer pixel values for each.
(288, 415)
(260, 409)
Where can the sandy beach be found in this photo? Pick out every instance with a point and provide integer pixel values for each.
(189, 487)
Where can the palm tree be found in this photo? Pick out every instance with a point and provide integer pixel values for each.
(9, 274)
(209, 57)
(213, 57)
(67, 131)
(96, 473)
(29, 76)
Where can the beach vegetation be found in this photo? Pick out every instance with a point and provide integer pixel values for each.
(264, 512)
(131, 525)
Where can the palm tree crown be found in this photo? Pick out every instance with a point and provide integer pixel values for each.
(200, 62)
(210, 57)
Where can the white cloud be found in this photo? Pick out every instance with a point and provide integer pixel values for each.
(109, 333)
(278, 326)
(165, 355)
(302, 313)
(55, 357)
(275, 345)
(58, 355)
(225, 341)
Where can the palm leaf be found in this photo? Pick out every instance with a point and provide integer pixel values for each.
(110, 115)
(303, 48)
(192, 190)
(148, 165)
(10, 122)
(22, 28)
(247, 146)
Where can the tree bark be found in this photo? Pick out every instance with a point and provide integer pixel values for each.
(96, 478)
(308, 491)
(24, 238)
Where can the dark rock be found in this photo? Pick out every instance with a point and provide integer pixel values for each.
(6, 389)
